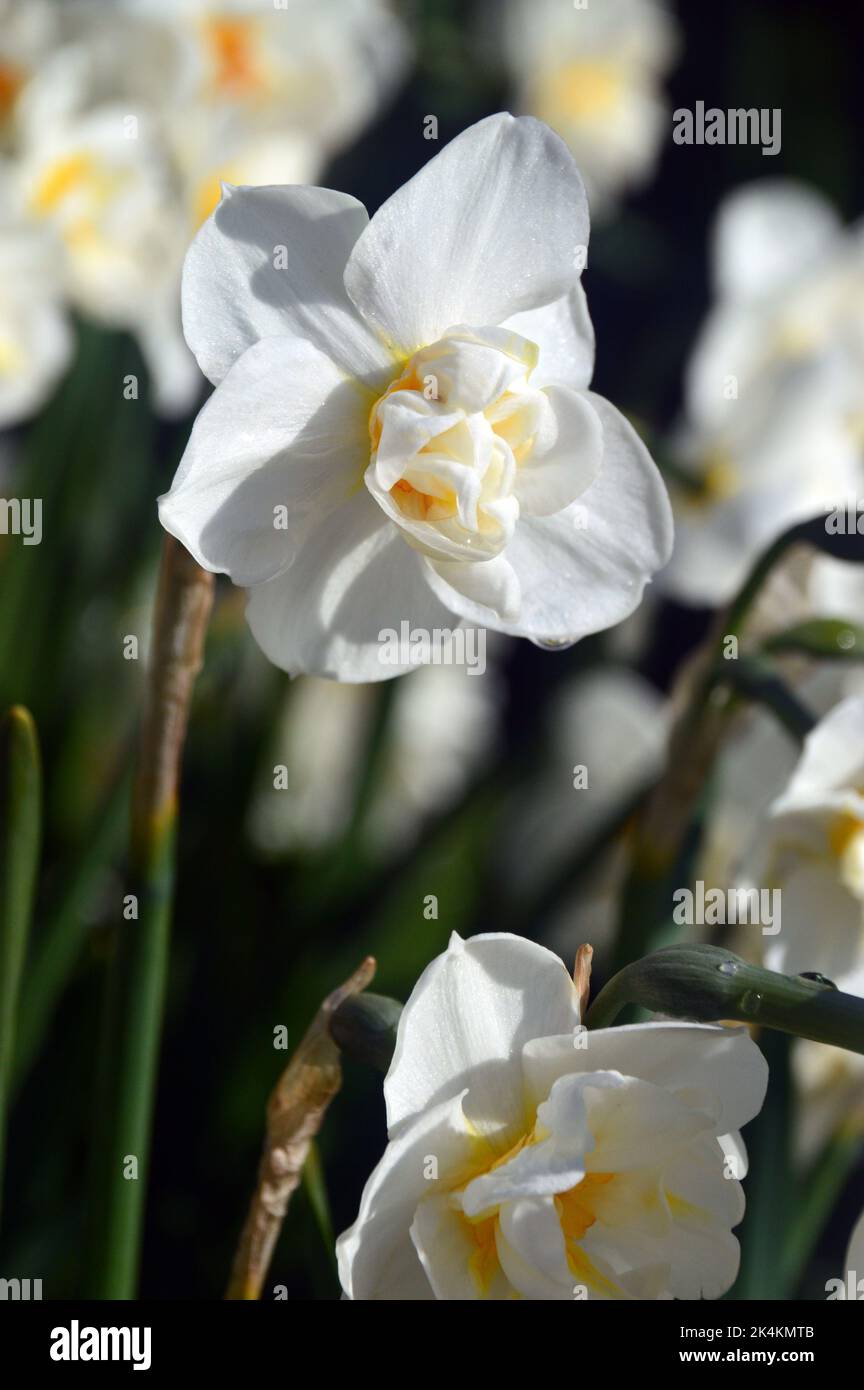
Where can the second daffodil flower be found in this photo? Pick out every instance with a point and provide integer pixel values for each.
(529, 1159)
(402, 430)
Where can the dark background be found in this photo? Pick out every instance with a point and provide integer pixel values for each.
(258, 943)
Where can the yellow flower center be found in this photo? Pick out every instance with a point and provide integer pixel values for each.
(11, 82)
(232, 49)
(584, 90)
(846, 841)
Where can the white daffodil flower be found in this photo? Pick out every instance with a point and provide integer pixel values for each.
(401, 430)
(318, 67)
(35, 339)
(102, 186)
(814, 852)
(531, 1159)
(594, 73)
(754, 768)
(774, 404)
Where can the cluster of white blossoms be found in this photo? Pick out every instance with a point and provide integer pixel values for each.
(594, 71)
(529, 1158)
(117, 125)
(811, 847)
(774, 419)
(814, 851)
(796, 823)
(402, 429)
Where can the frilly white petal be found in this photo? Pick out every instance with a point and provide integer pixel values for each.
(717, 1070)
(585, 568)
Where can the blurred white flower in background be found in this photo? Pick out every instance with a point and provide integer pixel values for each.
(445, 728)
(813, 851)
(439, 460)
(606, 741)
(595, 74)
(121, 122)
(107, 197)
(442, 730)
(35, 340)
(529, 1160)
(27, 30)
(320, 68)
(784, 819)
(774, 420)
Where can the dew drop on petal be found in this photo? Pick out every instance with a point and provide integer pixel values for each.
(554, 644)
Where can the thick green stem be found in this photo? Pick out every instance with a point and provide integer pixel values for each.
(136, 984)
(708, 984)
(754, 678)
(20, 832)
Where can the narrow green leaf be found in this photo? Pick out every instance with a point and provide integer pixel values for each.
(62, 936)
(315, 1186)
(20, 829)
(818, 1193)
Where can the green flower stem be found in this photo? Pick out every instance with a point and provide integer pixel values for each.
(770, 1206)
(754, 678)
(20, 834)
(822, 639)
(816, 1198)
(315, 1187)
(136, 983)
(62, 937)
(708, 984)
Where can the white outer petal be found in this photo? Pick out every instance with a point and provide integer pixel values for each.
(466, 1022)
(487, 229)
(353, 578)
(283, 428)
(376, 1256)
(233, 294)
